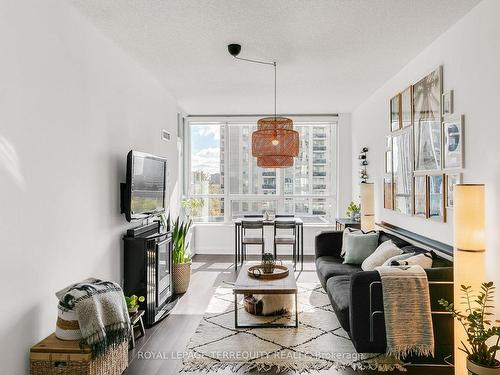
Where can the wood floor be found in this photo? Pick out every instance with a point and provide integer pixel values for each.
(167, 340)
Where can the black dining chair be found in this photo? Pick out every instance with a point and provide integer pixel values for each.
(252, 238)
(285, 233)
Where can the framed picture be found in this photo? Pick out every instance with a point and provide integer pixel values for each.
(427, 97)
(453, 142)
(436, 197)
(388, 193)
(402, 167)
(447, 103)
(388, 142)
(451, 180)
(396, 113)
(426, 117)
(427, 145)
(388, 162)
(421, 196)
(406, 107)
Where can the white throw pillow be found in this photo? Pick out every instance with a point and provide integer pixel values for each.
(383, 252)
(424, 260)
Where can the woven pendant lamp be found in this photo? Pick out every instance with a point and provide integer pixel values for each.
(274, 143)
(275, 137)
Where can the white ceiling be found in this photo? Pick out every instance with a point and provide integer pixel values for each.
(331, 54)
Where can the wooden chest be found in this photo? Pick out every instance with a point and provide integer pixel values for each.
(52, 356)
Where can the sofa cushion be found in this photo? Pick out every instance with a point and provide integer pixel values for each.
(397, 258)
(338, 290)
(358, 246)
(385, 251)
(437, 261)
(329, 266)
(347, 231)
(423, 260)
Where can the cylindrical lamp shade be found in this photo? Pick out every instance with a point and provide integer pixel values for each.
(367, 206)
(468, 217)
(275, 161)
(275, 143)
(282, 142)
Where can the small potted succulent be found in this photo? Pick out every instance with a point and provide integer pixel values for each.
(353, 210)
(133, 303)
(483, 336)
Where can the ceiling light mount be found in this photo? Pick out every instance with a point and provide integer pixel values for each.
(234, 49)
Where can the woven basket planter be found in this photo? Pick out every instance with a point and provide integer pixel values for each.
(182, 275)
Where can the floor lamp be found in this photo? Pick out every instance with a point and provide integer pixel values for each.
(469, 248)
(367, 206)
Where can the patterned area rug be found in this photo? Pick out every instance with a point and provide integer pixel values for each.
(319, 343)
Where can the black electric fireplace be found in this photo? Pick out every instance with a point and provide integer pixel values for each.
(148, 269)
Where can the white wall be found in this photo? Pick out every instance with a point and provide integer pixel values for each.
(470, 54)
(71, 106)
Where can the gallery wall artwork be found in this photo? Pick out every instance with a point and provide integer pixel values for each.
(427, 122)
(402, 166)
(424, 153)
(436, 197)
(453, 133)
(421, 195)
(395, 108)
(451, 180)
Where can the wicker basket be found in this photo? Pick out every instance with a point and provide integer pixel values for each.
(182, 275)
(58, 357)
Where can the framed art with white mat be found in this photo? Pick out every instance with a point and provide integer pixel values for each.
(436, 197)
(451, 180)
(453, 142)
(421, 190)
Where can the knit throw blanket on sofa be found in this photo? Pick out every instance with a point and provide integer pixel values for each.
(407, 311)
(101, 311)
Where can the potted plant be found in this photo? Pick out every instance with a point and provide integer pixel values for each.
(191, 206)
(133, 303)
(181, 260)
(352, 210)
(481, 351)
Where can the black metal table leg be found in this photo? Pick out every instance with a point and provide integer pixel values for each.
(236, 325)
(302, 247)
(235, 246)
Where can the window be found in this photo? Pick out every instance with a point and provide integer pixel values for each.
(224, 176)
(206, 180)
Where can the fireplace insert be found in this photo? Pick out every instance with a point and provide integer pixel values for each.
(148, 269)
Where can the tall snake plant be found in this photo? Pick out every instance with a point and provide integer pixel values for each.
(180, 231)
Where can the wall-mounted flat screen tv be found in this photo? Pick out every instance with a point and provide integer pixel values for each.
(145, 188)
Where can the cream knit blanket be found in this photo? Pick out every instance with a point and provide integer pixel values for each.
(407, 311)
(101, 311)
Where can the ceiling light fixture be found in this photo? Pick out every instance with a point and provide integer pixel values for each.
(274, 143)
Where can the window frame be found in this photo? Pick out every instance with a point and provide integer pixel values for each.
(280, 197)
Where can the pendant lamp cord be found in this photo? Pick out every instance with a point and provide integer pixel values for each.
(275, 95)
(275, 69)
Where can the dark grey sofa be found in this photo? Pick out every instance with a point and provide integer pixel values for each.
(348, 288)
